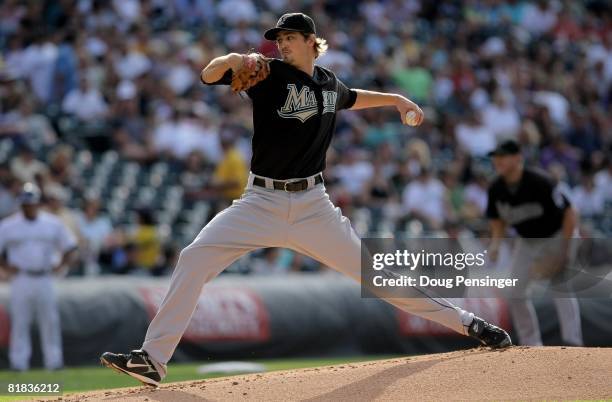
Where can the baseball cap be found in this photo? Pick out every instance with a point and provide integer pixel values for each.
(297, 22)
(30, 194)
(507, 147)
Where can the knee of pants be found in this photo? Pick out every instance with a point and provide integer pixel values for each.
(204, 258)
(189, 255)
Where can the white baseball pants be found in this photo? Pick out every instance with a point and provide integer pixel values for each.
(33, 299)
(306, 222)
(528, 254)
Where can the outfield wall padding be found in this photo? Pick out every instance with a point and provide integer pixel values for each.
(248, 317)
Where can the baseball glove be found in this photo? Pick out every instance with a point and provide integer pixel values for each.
(255, 68)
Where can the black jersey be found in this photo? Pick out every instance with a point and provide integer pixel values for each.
(294, 118)
(534, 207)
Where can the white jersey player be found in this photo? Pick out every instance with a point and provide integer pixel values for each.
(37, 246)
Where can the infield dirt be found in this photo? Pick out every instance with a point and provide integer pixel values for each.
(516, 373)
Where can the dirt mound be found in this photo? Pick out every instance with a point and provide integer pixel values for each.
(517, 373)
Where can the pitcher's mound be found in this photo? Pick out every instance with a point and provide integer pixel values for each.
(517, 373)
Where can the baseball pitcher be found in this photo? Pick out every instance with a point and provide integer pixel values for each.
(285, 203)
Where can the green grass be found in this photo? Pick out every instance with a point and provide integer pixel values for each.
(91, 378)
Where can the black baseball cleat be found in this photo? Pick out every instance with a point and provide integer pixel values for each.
(488, 334)
(136, 364)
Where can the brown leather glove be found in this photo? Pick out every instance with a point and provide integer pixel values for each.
(255, 68)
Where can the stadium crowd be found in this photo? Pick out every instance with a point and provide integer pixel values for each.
(102, 106)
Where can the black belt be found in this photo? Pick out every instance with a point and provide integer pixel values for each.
(290, 186)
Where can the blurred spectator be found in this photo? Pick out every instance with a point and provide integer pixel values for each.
(180, 77)
(66, 71)
(379, 130)
(124, 260)
(424, 199)
(559, 175)
(209, 136)
(193, 179)
(56, 198)
(418, 156)
(416, 81)
(85, 102)
(354, 171)
(540, 18)
(130, 64)
(131, 137)
(167, 261)
(184, 133)
(443, 86)
(386, 154)
(603, 179)
(128, 10)
(164, 134)
(195, 12)
(372, 11)
(61, 169)
(473, 136)
(379, 194)
(96, 230)
(568, 27)
(582, 135)
(530, 138)
(272, 261)
(336, 58)
(589, 199)
(25, 167)
(145, 242)
(243, 37)
(557, 105)
(28, 126)
(561, 152)
(402, 176)
(501, 117)
(38, 64)
(9, 191)
(234, 11)
(231, 174)
(476, 196)
(455, 202)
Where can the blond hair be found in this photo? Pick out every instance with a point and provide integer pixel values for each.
(320, 46)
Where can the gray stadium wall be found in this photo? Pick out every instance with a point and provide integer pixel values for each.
(249, 317)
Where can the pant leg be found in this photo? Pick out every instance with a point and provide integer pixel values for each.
(525, 322)
(318, 229)
(568, 309)
(524, 318)
(252, 222)
(22, 310)
(568, 312)
(49, 325)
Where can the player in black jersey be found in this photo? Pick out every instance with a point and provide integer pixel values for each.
(530, 202)
(285, 203)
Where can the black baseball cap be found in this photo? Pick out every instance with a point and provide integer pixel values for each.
(297, 22)
(507, 147)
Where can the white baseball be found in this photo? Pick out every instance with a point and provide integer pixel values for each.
(411, 118)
